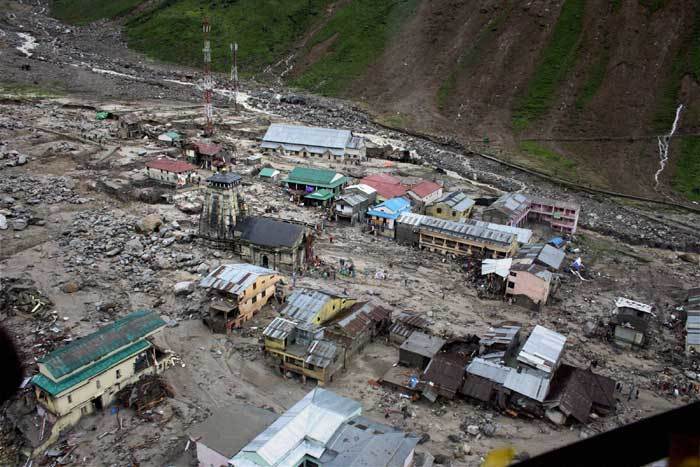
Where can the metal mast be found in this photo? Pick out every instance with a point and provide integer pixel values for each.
(208, 82)
(234, 74)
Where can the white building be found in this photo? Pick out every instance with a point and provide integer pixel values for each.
(312, 141)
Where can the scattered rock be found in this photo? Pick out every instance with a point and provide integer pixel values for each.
(19, 224)
(3, 222)
(70, 287)
(690, 258)
(203, 268)
(473, 430)
(150, 223)
(467, 449)
(189, 208)
(113, 252)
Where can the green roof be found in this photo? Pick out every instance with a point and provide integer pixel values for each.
(267, 172)
(321, 195)
(103, 365)
(316, 177)
(101, 343)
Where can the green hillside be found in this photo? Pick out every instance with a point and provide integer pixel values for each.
(264, 30)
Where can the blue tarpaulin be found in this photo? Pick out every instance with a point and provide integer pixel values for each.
(556, 241)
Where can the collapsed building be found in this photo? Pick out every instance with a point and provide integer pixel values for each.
(307, 141)
(516, 209)
(238, 292)
(327, 430)
(353, 330)
(84, 376)
(630, 323)
(205, 155)
(405, 324)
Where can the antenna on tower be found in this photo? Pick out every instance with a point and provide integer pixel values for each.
(208, 82)
(234, 74)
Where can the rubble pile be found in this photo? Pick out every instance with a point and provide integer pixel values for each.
(21, 295)
(145, 394)
(11, 158)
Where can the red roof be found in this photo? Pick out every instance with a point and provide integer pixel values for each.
(386, 185)
(425, 188)
(170, 165)
(208, 149)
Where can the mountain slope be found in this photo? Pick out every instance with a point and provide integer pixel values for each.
(577, 88)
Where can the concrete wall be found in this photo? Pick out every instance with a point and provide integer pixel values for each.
(529, 285)
(169, 177)
(443, 211)
(332, 308)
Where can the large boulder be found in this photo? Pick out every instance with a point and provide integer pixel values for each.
(19, 224)
(189, 208)
(134, 247)
(184, 288)
(3, 222)
(150, 223)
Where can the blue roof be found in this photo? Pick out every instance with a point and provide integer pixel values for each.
(395, 205)
(556, 241)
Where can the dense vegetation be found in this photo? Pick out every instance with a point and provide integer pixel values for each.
(686, 178)
(86, 11)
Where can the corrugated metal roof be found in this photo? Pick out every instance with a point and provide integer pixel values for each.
(467, 230)
(411, 218)
(268, 172)
(321, 353)
(304, 304)
(422, 344)
(500, 267)
(315, 177)
(100, 344)
(352, 199)
(234, 278)
(511, 204)
(524, 235)
(327, 138)
(457, 201)
(393, 208)
(55, 388)
(621, 302)
(412, 319)
(425, 188)
(530, 385)
(500, 335)
(490, 370)
(542, 349)
(307, 425)
(279, 328)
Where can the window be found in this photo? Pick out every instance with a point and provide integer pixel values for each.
(439, 210)
(83, 410)
(255, 285)
(255, 299)
(97, 382)
(511, 285)
(454, 213)
(119, 374)
(70, 399)
(263, 293)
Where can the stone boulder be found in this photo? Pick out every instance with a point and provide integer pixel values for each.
(184, 288)
(150, 223)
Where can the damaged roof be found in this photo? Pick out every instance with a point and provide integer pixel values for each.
(234, 278)
(503, 335)
(486, 369)
(422, 344)
(511, 204)
(109, 339)
(543, 349)
(575, 391)
(446, 372)
(264, 231)
(321, 353)
(545, 255)
(621, 302)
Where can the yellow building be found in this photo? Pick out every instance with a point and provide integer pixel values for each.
(241, 291)
(453, 206)
(84, 376)
(314, 306)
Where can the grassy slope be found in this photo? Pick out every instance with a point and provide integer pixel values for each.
(86, 11)
(686, 179)
(557, 59)
(264, 30)
(362, 29)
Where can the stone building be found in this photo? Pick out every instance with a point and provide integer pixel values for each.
(221, 207)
